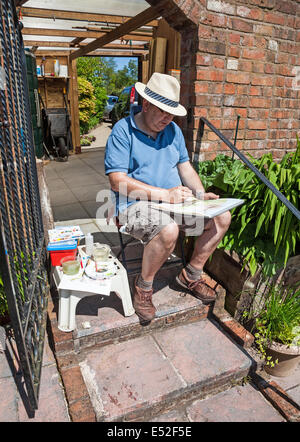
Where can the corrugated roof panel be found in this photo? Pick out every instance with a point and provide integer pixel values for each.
(128, 8)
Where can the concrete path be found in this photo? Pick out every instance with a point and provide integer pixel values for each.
(14, 405)
(101, 133)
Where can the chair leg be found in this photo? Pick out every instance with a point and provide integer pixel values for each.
(182, 250)
(122, 250)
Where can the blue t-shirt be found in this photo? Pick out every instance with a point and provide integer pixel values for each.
(152, 161)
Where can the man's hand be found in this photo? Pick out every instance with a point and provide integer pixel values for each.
(179, 194)
(210, 196)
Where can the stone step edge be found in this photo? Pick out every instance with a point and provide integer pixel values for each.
(132, 331)
(184, 395)
(81, 408)
(66, 342)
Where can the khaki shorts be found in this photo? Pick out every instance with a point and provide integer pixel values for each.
(144, 222)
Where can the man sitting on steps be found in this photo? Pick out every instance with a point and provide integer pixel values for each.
(146, 160)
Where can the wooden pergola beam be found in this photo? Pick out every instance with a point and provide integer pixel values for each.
(80, 34)
(76, 41)
(99, 53)
(136, 33)
(65, 44)
(132, 24)
(72, 15)
(20, 2)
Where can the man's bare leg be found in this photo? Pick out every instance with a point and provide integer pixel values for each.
(190, 278)
(158, 250)
(206, 244)
(155, 254)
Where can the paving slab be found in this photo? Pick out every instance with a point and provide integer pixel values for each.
(69, 211)
(128, 375)
(60, 198)
(54, 184)
(14, 403)
(52, 403)
(291, 384)
(192, 349)
(238, 404)
(86, 193)
(130, 379)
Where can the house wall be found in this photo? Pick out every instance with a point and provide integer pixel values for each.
(238, 58)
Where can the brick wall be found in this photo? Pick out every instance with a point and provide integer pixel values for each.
(239, 58)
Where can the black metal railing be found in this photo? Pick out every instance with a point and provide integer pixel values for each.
(23, 259)
(248, 163)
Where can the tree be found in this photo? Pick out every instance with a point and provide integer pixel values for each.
(116, 80)
(102, 74)
(91, 68)
(86, 103)
(108, 74)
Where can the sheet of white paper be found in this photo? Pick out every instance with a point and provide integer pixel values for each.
(201, 208)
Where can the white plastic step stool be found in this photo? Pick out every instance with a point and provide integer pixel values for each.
(72, 291)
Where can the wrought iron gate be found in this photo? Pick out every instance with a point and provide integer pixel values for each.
(22, 248)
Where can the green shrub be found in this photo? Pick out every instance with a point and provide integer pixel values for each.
(277, 319)
(3, 301)
(89, 68)
(263, 230)
(86, 103)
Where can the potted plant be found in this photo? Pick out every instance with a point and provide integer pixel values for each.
(277, 329)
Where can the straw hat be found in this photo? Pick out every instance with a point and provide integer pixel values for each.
(163, 91)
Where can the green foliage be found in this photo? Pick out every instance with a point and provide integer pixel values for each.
(89, 69)
(3, 301)
(101, 74)
(263, 230)
(115, 81)
(278, 320)
(86, 103)
(280, 316)
(86, 140)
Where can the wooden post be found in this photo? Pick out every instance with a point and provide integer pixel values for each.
(158, 49)
(75, 128)
(145, 69)
(174, 38)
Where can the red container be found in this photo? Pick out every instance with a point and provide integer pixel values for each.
(60, 251)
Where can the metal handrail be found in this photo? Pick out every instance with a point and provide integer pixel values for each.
(248, 163)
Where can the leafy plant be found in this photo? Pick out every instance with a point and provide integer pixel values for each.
(3, 301)
(86, 99)
(115, 80)
(278, 319)
(90, 68)
(98, 78)
(263, 230)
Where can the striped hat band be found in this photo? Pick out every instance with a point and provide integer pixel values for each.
(160, 98)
